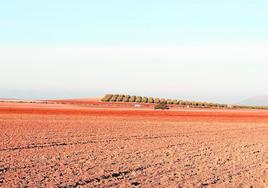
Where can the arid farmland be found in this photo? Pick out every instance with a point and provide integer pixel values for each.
(71, 145)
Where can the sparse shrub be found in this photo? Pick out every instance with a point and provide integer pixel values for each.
(212, 105)
(236, 106)
(179, 102)
(132, 98)
(174, 101)
(182, 102)
(197, 104)
(187, 102)
(193, 103)
(217, 105)
(138, 99)
(162, 106)
(225, 106)
(107, 98)
(205, 104)
(120, 98)
(163, 101)
(156, 100)
(169, 101)
(209, 104)
(150, 100)
(126, 98)
(144, 99)
(114, 98)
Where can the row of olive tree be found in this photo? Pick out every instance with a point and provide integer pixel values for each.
(140, 99)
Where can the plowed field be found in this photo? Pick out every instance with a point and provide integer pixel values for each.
(46, 145)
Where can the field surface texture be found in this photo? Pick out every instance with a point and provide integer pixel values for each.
(63, 145)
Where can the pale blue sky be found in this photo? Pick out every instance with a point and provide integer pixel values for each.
(201, 50)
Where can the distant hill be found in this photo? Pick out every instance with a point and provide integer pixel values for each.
(256, 101)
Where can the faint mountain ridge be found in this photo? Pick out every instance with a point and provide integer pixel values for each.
(261, 100)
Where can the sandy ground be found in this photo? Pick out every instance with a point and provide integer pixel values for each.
(57, 145)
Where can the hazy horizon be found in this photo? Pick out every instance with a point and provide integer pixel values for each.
(207, 51)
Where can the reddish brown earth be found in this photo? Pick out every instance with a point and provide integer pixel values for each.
(78, 145)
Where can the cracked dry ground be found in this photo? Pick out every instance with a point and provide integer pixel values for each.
(114, 151)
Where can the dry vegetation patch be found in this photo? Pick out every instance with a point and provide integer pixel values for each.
(134, 148)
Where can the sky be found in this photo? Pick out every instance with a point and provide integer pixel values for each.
(205, 50)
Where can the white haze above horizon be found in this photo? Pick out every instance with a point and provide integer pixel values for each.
(215, 72)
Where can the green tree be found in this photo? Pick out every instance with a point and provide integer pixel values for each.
(144, 99)
(132, 98)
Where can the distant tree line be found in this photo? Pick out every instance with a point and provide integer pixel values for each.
(184, 103)
(142, 99)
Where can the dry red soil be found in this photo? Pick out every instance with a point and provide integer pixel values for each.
(74, 145)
